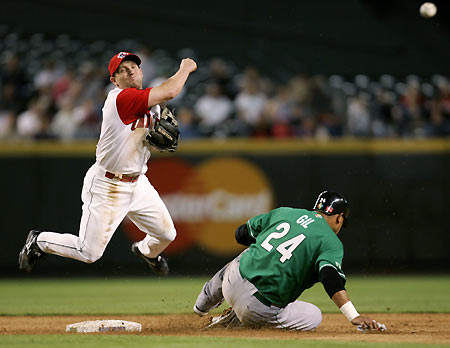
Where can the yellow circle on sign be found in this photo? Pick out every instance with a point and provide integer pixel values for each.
(235, 190)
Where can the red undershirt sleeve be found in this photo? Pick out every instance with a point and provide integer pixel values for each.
(132, 103)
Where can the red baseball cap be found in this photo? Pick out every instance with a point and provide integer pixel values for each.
(119, 58)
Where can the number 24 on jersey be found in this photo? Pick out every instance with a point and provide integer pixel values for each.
(286, 248)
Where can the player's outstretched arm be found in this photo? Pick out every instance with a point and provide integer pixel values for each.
(334, 285)
(363, 323)
(170, 88)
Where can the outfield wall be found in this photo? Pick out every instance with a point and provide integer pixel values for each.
(398, 191)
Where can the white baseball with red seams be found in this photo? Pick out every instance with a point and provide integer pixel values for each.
(428, 9)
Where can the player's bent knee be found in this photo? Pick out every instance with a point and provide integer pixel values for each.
(169, 236)
(316, 318)
(91, 257)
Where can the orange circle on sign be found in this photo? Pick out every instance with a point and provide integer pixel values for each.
(236, 191)
(208, 202)
(172, 178)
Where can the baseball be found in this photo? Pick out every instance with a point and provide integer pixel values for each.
(428, 9)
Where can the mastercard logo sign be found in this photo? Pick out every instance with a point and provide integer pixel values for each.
(207, 201)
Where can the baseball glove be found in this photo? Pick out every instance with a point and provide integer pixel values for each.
(165, 134)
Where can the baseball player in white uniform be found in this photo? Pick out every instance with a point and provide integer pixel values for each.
(116, 185)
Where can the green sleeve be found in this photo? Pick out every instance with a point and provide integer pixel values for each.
(256, 223)
(331, 255)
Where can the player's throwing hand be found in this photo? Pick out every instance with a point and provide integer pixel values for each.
(188, 64)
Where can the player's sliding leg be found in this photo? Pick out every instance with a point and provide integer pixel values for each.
(253, 312)
(211, 295)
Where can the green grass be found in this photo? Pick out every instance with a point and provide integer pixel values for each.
(95, 296)
(128, 341)
(399, 294)
(98, 296)
(393, 294)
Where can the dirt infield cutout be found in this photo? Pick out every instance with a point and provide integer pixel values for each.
(414, 328)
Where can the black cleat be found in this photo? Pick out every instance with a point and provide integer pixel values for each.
(158, 264)
(30, 253)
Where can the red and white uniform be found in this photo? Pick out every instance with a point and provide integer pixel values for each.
(125, 125)
(122, 151)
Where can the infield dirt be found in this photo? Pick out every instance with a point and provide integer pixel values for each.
(414, 328)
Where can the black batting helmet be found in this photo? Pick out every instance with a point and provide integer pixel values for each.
(332, 203)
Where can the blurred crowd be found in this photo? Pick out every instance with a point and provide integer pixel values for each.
(55, 89)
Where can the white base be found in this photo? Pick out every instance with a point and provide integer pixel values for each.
(103, 326)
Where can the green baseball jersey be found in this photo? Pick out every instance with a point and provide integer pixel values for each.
(292, 246)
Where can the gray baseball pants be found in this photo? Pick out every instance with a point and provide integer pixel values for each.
(228, 284)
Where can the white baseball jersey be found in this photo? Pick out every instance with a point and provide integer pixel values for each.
(121, 148)
(107, 200)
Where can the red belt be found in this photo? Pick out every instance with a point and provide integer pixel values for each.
(123, 177)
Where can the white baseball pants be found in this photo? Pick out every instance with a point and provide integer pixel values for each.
(106, 202)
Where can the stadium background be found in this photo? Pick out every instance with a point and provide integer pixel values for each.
(398, 187)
